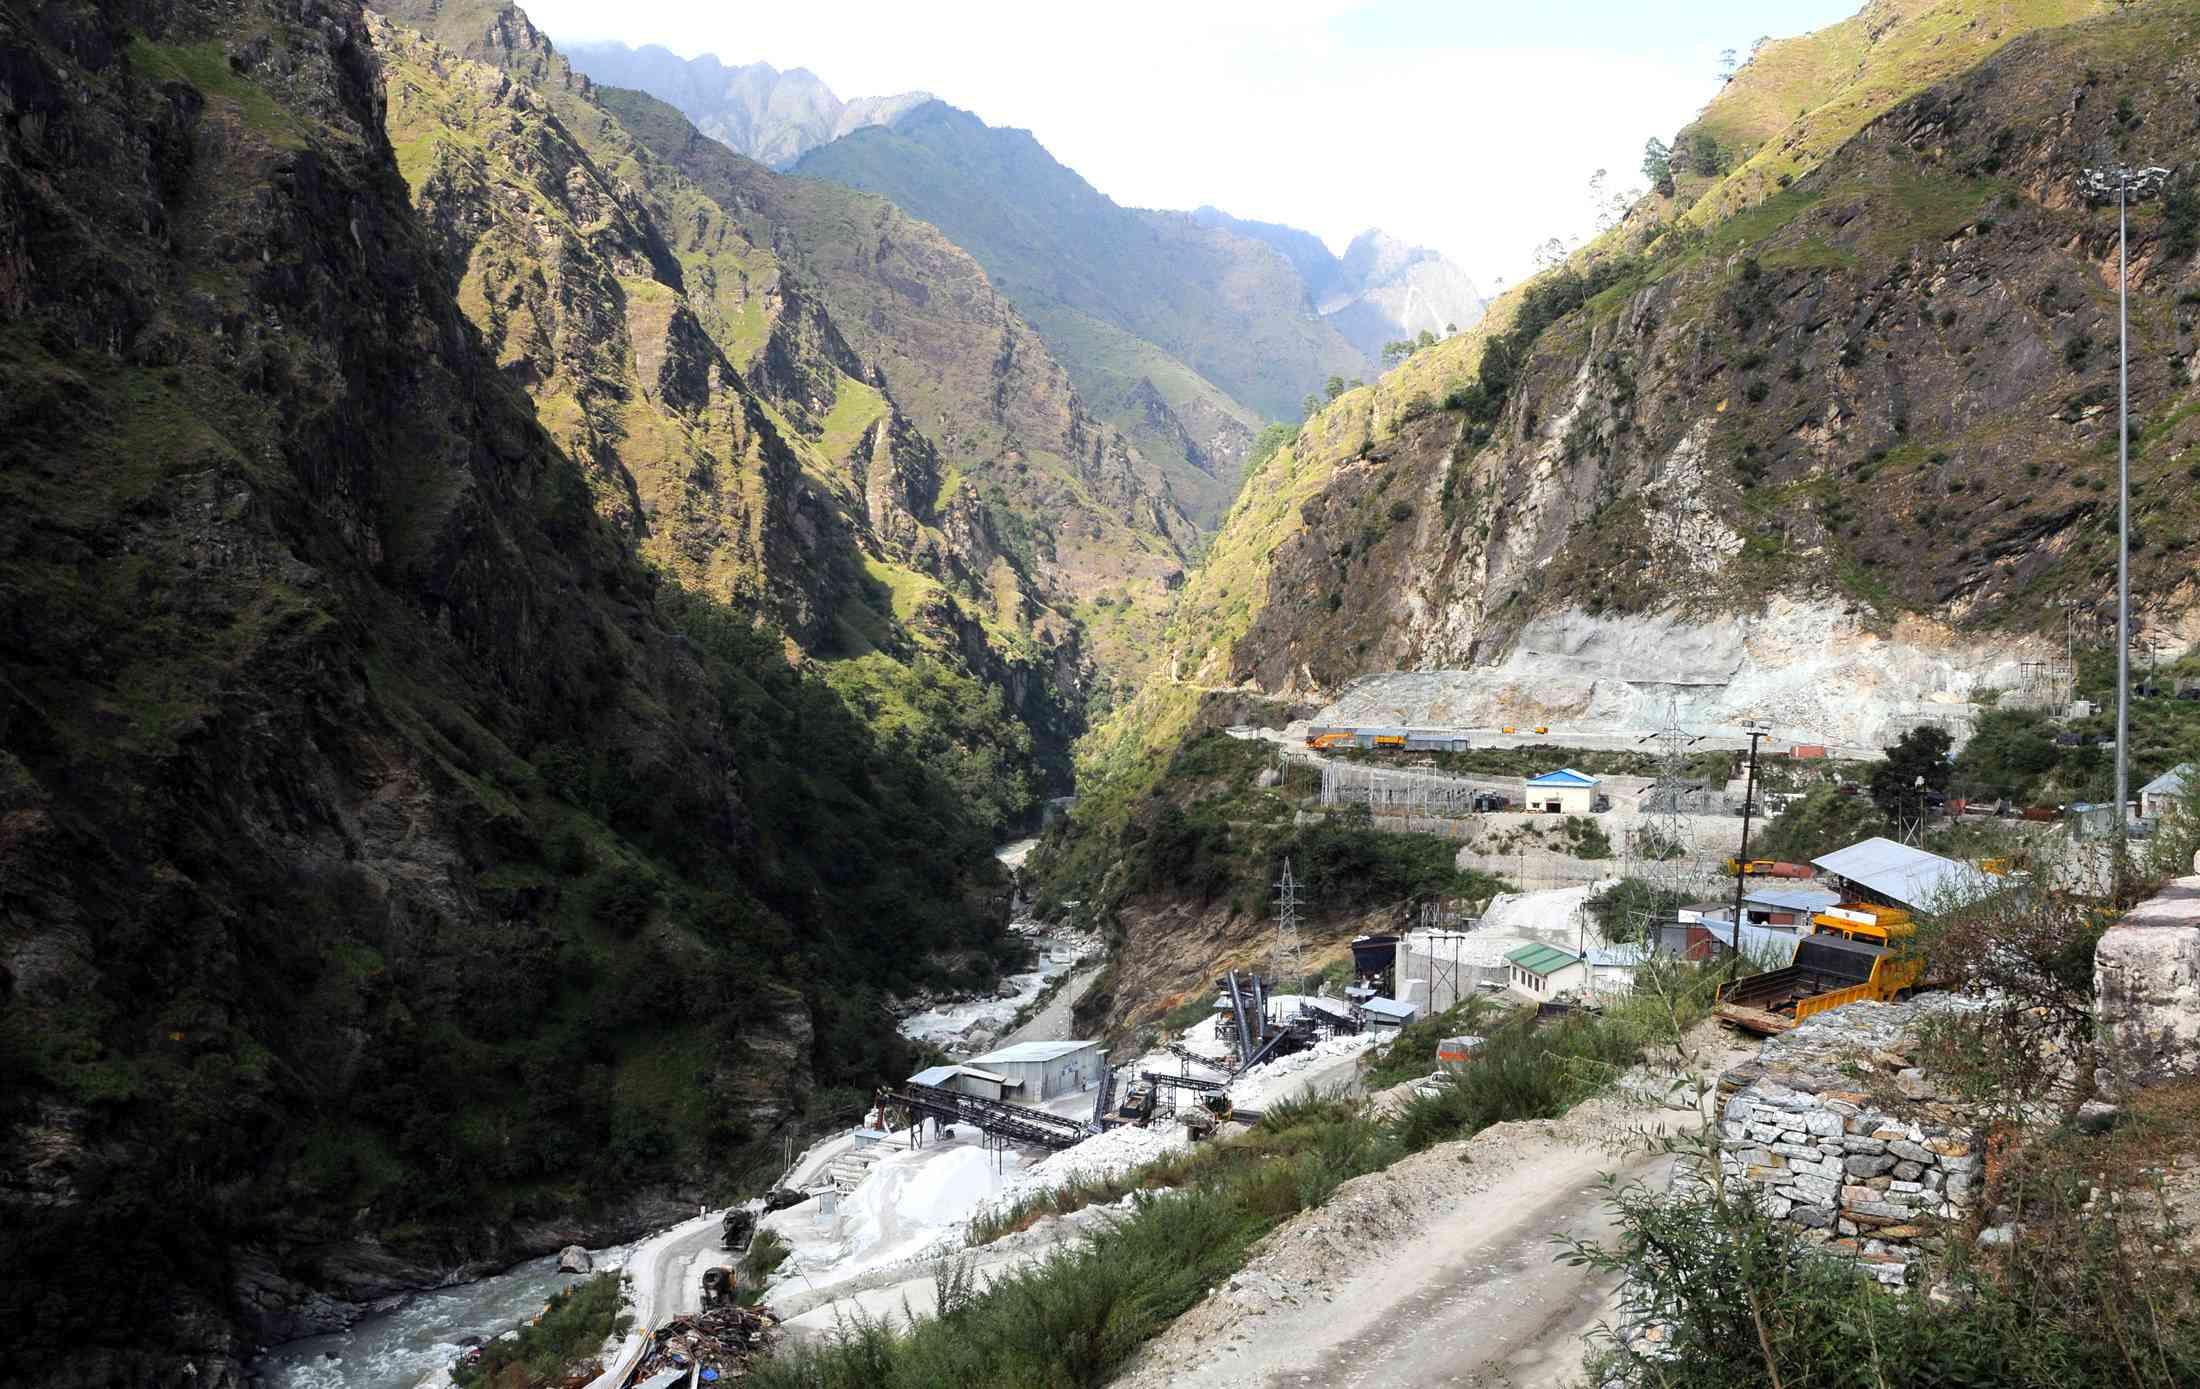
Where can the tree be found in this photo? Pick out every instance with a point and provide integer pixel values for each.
(1424, 339)
(1657, 166)
(1396, 352)
(1334, 387)
(1918, 762)
(1727, 64)
(1762, 40)
(1550, 254)
(1705, 156)
(1450, 328)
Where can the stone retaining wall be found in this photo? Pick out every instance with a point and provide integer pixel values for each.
(1847, 1140)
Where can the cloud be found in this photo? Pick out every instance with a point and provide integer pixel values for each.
(1324, 114)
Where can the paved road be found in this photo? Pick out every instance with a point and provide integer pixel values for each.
(666, 1275)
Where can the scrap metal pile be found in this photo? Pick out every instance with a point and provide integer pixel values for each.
(722, 1339)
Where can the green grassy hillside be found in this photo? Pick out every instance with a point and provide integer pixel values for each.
(397, 871)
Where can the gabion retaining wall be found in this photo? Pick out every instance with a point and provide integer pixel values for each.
(1845, 1139)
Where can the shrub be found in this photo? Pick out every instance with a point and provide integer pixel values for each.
(572, 1328)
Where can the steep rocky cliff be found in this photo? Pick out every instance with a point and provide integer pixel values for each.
(1875, 408)
(1106, 538)
(748, 446)
(397, 873)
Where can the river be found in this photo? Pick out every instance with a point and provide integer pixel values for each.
(398, 1348)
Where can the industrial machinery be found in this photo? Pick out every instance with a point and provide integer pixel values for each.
(739, 1229)
(1322, 742)
(1769, 868)
(1852, 953)
(1138, 1101)
(720, 1287)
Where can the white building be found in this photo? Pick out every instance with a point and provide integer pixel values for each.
(2163, 794)
(1032, 1072)
(1541, 972)
(1563, 792)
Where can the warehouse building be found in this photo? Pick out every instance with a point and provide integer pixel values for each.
(1032, 1072)
(1563, 792)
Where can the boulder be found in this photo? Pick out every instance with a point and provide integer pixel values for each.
(2147, 983)
(574, 1259)
(2096, 1117)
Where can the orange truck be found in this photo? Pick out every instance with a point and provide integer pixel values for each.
(1851, 953)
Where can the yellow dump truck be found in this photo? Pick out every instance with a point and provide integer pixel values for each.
(1851, 953)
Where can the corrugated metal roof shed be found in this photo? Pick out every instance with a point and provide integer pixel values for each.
(1390, 1008)
(1792, 899)
(1910, 877)
(1541, 960)
(941, 1075)
(1564, 776)
(1619, 956)
(1029, 1051)
(2169, 783)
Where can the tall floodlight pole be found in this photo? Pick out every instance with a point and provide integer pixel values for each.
(2127, 183)
(1757, 729)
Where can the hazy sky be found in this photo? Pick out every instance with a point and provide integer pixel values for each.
(1470, 127)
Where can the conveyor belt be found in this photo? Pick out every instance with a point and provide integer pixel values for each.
(1204, 1087)
(1178, 1049)
(1014, 1121)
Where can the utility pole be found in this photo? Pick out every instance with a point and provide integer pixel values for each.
(2129, 183)
(1756, 729)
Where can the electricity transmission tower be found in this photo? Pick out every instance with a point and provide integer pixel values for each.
(1283, 966)
(1665, 817)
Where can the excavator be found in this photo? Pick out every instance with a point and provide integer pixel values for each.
(1851, 953)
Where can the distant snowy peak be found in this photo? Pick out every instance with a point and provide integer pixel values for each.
(771, 116)
(1382, 289)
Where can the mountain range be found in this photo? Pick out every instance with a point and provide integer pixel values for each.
(755, 109)
(1379, 291)
(1187, 332)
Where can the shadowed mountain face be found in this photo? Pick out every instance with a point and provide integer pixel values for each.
(496, 692)
(771, 116)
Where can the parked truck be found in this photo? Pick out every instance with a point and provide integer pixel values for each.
(1853, 952)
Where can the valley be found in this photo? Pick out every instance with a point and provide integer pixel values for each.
(595, 636)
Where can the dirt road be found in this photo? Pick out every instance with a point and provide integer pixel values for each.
(1052, 1023)
(1440, 1270)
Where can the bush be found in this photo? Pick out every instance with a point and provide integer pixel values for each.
(571, 1330)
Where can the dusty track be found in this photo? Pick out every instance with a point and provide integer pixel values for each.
(1441, 1268)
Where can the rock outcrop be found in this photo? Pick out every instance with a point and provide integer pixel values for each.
(2146, 983)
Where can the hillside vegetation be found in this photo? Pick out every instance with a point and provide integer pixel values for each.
(426, 833)
(1228, 307)
(1888, 384)
(1095, 524)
